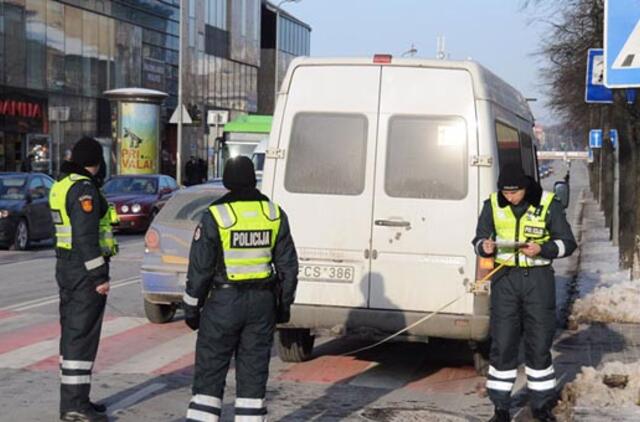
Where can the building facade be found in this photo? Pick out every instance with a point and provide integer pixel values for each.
(65, 54)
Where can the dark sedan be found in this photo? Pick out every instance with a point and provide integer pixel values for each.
(138, 198)
(24, 209)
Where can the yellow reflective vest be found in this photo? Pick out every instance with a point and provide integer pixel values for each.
(248, 231)
(62, 222)
(532, 227)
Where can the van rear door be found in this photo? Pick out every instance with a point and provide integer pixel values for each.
(425, 208)
(325, 182)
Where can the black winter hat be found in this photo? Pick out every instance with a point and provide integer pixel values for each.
(512, 177)
(239, 174)
(87, 152)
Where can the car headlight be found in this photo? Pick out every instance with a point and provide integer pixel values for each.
(135, 208)
(4, 213)
(124, 208)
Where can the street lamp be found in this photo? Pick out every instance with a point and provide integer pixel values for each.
(275, 87)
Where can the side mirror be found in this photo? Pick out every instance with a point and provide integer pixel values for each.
(562, 191)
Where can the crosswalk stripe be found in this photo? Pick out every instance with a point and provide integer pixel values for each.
(48, 349)
(157, 357)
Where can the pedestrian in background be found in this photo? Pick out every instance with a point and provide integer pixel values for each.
(241, 251)
(82, 274)
(530, 231)
(191, 172)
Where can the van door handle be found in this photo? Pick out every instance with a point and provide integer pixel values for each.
(392, 223)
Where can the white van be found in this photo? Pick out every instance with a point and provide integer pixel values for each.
(382, 166)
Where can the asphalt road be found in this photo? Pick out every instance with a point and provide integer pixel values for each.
(143, 371)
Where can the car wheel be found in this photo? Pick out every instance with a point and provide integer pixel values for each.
(159, 313)
(294, 344)
(21, 238)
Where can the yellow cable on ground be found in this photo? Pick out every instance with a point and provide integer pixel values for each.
(478, 283)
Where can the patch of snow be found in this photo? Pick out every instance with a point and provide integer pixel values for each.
(613, 301)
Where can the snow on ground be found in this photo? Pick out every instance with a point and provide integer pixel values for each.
(589, 390)
(617, 301)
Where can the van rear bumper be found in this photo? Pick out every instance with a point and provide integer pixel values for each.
(353, 320)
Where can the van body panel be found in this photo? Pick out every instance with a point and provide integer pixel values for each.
(383, 246)
(332, 231)
(424, 180)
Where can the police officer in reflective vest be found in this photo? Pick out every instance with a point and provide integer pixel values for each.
(525, 228)
(84, 244)
(242, 250)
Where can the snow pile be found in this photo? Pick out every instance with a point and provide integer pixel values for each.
(611, 301)
(589, 389)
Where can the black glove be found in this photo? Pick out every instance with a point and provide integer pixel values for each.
(283, 314)
(192, 317)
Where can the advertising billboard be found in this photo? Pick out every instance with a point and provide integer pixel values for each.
(138, 138)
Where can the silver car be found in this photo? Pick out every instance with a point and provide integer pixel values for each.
(167, 244)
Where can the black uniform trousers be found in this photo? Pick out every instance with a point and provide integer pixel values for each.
(81, 313)
(236, 321)
(523, 305)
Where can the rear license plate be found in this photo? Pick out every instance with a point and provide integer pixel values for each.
(337, 273)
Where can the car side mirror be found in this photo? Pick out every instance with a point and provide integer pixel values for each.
(562, 192)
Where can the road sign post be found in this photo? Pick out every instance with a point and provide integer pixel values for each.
(58, 114)
(615, 217)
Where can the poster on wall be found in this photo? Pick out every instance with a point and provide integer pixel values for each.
(138, 138)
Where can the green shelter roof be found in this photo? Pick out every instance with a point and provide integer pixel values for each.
(255, 123)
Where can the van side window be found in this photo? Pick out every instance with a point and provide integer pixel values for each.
(528, 164)
(327, 154)
(508, 145)
(427, 157)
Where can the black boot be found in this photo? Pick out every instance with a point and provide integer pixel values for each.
(98, 407)
(500, 415)
(87, 415)
(544, 414)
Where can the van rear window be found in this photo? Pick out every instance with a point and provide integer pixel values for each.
(508, 145)
(427, 157)
(327, 154)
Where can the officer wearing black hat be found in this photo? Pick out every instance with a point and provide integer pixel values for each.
(82, 273)
(241, 252)
(524, 228)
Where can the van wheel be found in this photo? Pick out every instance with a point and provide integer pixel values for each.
(159, 313)
(481, 357)
(294, 344)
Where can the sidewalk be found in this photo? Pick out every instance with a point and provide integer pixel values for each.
(604, 330)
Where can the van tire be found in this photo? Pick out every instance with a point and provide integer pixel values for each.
(294, 344)
(159, 313)
(481, 357)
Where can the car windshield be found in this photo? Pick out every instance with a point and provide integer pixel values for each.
(185, 208)
(12, 187)
(131, 185)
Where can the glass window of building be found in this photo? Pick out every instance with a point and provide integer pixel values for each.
(55, 46)
(89, 53)
(15, 49)
(73, 49)
(36, 43)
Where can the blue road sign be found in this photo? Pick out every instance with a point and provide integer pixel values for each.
(613, 135)
(595, 91)
(595, 138)
(622, 43)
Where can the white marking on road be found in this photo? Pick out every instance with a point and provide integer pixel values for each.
(34, 303)
(28, 355)
(156, 357)
(134, 398)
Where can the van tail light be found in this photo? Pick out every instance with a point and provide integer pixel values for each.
(483, 267)
(152, 240)
(382, 58)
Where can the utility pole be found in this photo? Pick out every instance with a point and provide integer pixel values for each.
(180, 70)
